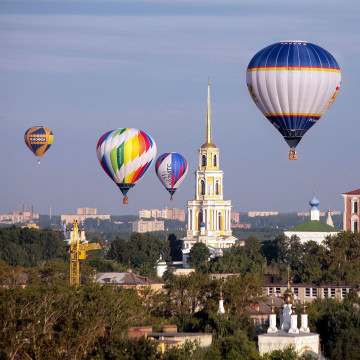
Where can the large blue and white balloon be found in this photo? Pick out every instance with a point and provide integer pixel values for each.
(171, 169)
(293, 83)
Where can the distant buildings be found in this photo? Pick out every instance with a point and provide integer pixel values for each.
(169, 214)
(262, 213)
(351, 210)
(142, 226)
(128, 280)
(19, 216)
(83, 214)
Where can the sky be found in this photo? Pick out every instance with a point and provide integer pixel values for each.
(84, 67)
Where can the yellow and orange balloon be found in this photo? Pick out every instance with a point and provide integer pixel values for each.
(39, 139)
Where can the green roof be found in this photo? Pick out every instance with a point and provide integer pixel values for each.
(314, 226)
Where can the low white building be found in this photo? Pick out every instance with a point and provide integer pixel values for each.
(301, 339)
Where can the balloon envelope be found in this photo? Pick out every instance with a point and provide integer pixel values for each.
(126, 154)
(39, 139)
(171, 169)
(293, 83)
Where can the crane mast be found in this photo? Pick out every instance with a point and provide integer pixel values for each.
(78, 252)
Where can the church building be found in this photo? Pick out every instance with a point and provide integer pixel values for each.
(209, 215)
(314, 229)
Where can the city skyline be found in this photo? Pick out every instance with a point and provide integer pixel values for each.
(86, 67)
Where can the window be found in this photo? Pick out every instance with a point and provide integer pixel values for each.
(217, 188)
(278, 291)
(296, 291)
(355, 207)
(343, 292)
(270, 291)
(215, 160)
(332, 293)
(326, 292)
(203, 160)
(200, 218)
(314, 292)
(356, 226)
(202, 187)
(307, 292)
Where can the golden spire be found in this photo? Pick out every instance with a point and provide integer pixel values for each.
(208, 143)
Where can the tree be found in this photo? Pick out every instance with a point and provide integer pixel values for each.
(199, 253)
(237, 347)
(175, 248)
(139, 249)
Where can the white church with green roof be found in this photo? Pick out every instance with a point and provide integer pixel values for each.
(313, 229)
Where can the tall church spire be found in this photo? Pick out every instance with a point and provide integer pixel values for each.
(208, 143)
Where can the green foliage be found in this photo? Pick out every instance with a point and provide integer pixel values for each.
(115, 346)
(237, 347)
(239, 260)
(188, 351)
(239, 289)
(29, 247)
(285, 354)
(199, 253)
(59, 322)
(103, 265)
(338, 324)
(337, 261)
(175, 248)
(140, 249)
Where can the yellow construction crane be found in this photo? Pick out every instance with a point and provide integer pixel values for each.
(78, 252)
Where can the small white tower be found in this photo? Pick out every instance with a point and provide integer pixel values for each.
(221, 304)
(272, 320)
(314, 211)
(329, 219)
(161, 267)
(304, 321)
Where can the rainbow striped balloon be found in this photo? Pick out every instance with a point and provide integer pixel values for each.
(39, 139)
(126, 155)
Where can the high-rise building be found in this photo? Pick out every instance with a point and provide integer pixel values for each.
(209, 215)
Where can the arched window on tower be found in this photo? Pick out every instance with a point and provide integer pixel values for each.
(355, 207)
(215, 160)
(203, 160)
(200, 219)
(202, 184)
(217, 188)
(221, 221)
(356, 226)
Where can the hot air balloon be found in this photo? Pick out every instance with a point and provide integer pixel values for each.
(293, 83)
(38, 139)
(126, 155)
(171, 169)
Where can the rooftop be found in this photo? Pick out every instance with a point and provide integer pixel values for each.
(313, 226)
(354, 192)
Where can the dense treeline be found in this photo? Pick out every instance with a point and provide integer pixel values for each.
(29, 247)
(50, 320)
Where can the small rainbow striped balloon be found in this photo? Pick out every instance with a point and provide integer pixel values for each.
(39, 139)
(171, 169)
(126, 155)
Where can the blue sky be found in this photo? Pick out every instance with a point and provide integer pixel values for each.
(82, 68)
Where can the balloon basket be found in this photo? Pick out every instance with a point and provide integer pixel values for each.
(126, 200)
(171, 198)
(292, 155)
